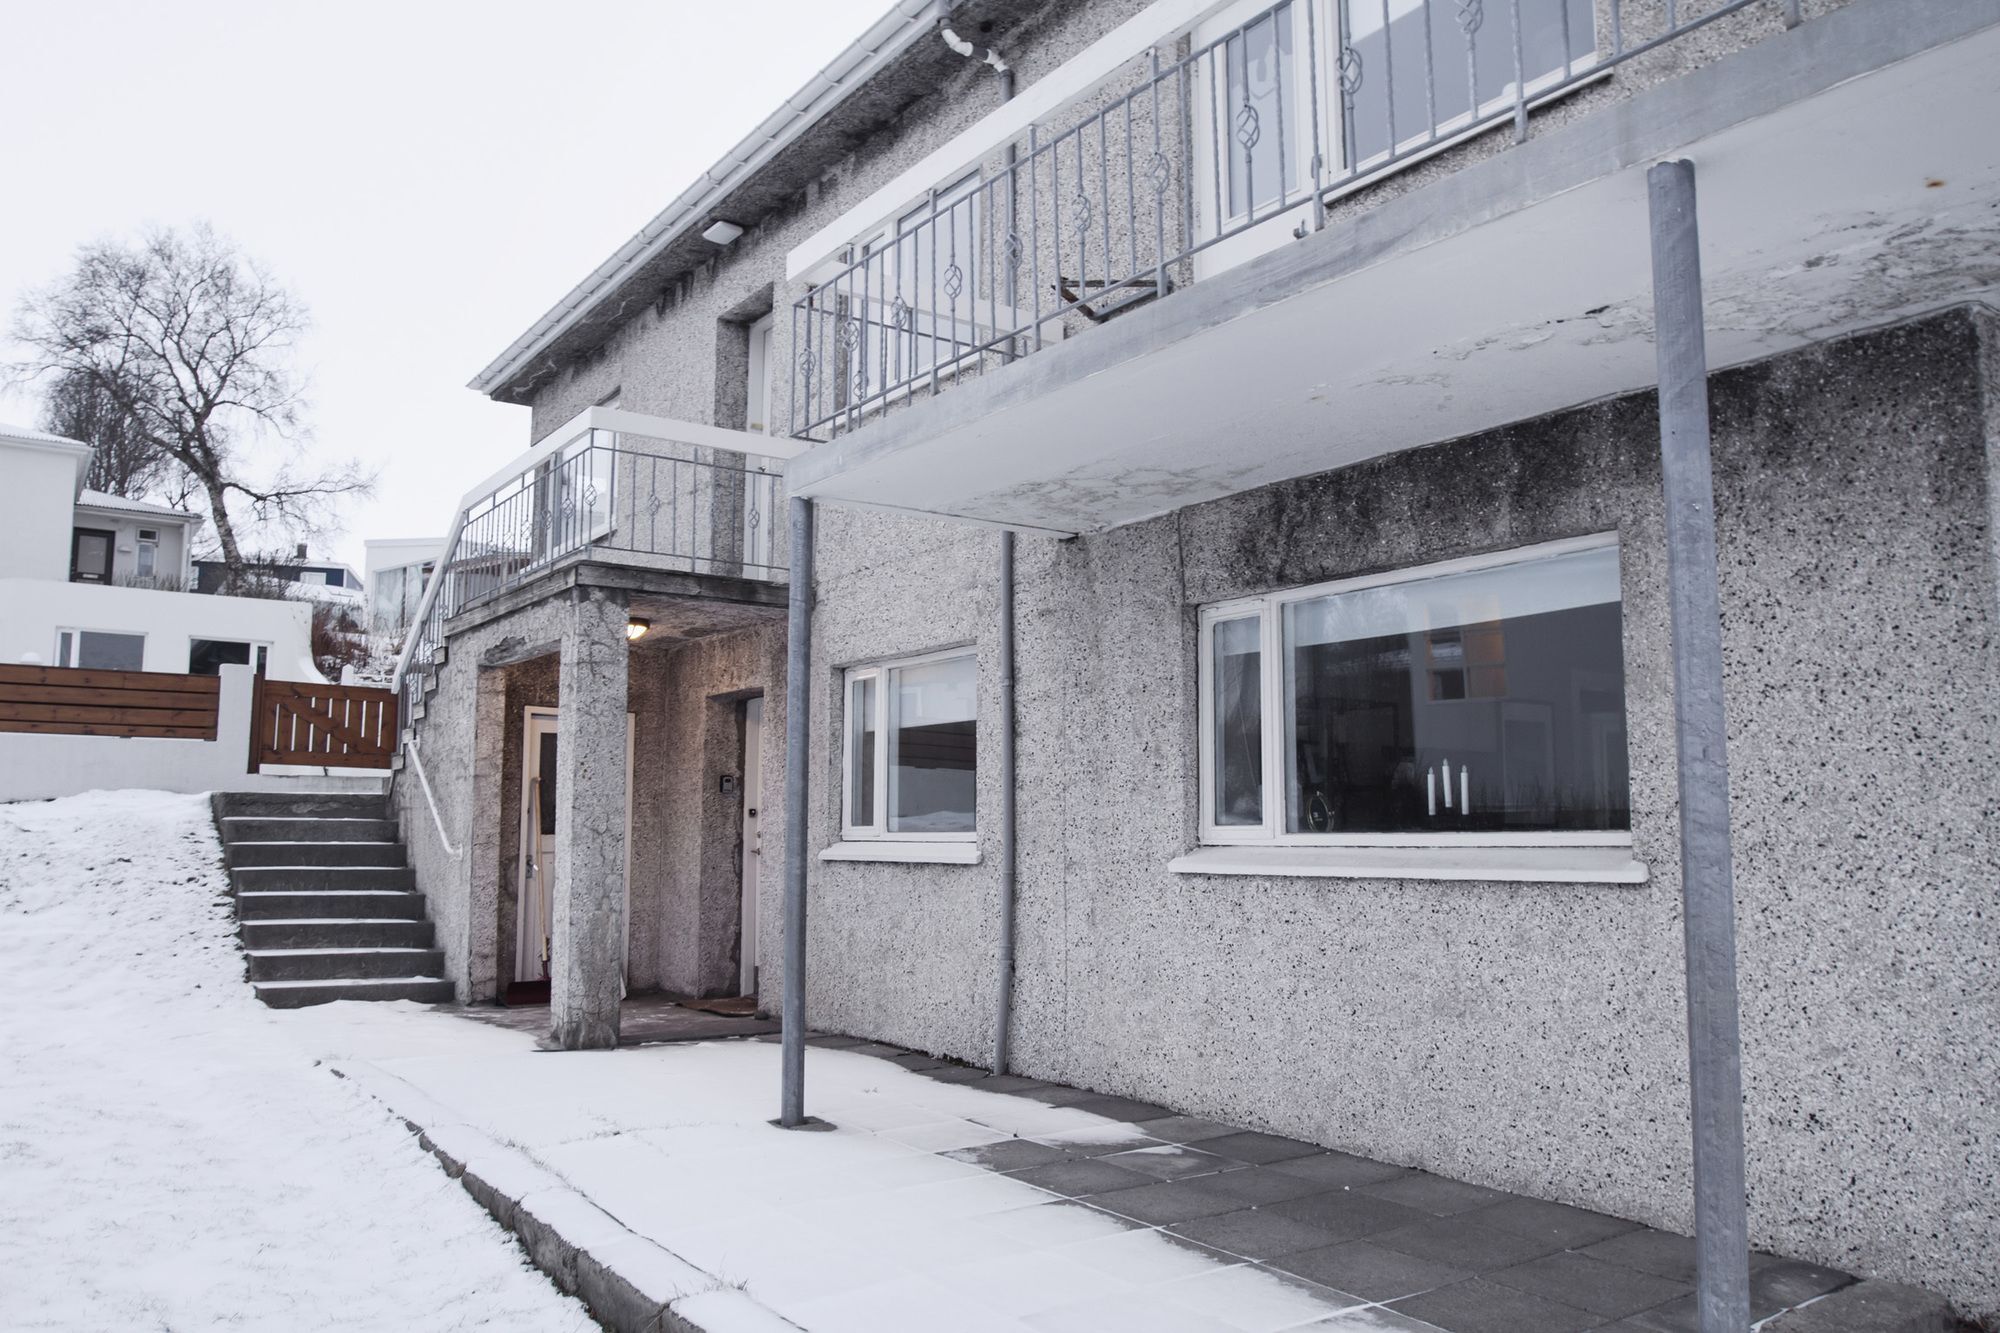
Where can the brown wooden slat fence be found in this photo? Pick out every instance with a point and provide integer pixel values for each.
(344, 726)
(66, 701)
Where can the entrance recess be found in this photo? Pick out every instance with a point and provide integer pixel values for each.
(534, 919)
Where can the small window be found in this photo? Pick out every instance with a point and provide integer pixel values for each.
(314, 577)
(147, 560)
(90, 555)
(1477, 701)
(96, 650)
(910, 751)
(207, 657)
(758, 399)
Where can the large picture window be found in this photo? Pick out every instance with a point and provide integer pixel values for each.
(1478, 701)
(910, 749)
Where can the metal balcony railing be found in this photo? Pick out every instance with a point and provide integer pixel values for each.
(599, 493)
(1160, 179)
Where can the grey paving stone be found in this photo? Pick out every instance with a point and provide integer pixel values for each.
(1590, 1284)
(1120, 1108)
(1012, 1083)
(1185, 1129)
(1264, 1184)
(1339, 1170)
(1349, 1214)
(1478, 1306)
(1167, 1202)
(1169, 1162)
(1011, 1155)
(1661, 1253)
(1872, 1307)
(1080, 1148)
(1058, 1094)
(1371, 1271)
(1783, 1283)
(834, 1043)
(1081, 1176)
(1437, 1195)
(878, 1048)
(1249, 1146)
(957, 1074)
(1538, 1219)
(1253, 1233)
(1463, 1243)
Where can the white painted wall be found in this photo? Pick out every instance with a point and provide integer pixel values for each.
(33, 610)
(39, 482)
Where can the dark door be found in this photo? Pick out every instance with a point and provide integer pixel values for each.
(90, 555)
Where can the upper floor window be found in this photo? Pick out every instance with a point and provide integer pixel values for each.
(90, 554)
(1476, 701)
(910, 750)
(146, 561)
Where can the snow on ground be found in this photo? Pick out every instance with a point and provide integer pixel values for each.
(170, 1157)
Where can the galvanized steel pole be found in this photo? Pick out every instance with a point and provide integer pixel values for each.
(1715, 1076)
(798, 767)
(1003, 1019)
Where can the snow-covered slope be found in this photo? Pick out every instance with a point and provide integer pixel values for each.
(168, 1156)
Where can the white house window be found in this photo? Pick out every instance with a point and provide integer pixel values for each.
(910, 749)
(146, 562)
(207, 657)
(98, 650)
(1476, 701)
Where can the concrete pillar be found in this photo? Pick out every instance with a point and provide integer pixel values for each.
(588, 929)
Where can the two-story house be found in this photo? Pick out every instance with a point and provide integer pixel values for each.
(1227, 560)
(103, 582)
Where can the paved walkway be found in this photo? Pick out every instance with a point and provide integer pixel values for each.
(643, 1020)
(946, 1198)
(1458, 1257)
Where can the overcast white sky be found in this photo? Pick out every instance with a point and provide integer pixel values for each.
(429, 177)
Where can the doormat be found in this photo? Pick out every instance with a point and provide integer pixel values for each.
(729, 1006)
(526, 993)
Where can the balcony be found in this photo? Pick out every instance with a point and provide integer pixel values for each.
(672, 511)
(1164, 273)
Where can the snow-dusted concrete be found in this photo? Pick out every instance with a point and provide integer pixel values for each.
(665, 1155)
(171, 1156)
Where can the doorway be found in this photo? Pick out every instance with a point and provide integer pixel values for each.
(534, 916)
(752, 769)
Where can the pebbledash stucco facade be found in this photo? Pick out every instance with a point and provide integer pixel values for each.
(1524, 1029)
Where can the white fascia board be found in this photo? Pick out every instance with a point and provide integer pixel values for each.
(635, 423)
(1157, 23)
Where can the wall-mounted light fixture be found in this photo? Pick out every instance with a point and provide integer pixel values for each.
(635, 628)
(722, 232)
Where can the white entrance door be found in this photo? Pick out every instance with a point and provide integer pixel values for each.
(753, 795)
(538, 845)
(535, 916)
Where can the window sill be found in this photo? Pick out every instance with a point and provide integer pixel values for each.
(930, 853)
(1535, 865)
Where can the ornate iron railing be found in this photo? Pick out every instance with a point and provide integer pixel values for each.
(1252, 129)
(607, 495)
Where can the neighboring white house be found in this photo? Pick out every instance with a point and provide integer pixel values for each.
(75, 566)
(397, 569)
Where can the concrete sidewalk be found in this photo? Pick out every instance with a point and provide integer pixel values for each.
(650, 1182)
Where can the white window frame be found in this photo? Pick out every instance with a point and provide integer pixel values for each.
(69, 643)
(1270, 608)
(878, 672)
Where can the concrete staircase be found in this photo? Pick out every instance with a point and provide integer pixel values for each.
(326, 905)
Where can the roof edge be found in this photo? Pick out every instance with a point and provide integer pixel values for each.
(906, 22)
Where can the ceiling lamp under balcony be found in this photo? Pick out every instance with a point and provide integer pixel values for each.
(721, 232)
(635, 628)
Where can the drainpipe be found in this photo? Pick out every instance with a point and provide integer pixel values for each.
(798, 766)
(1003, 1016)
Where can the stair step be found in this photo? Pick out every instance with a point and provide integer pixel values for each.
(302, 805)
(298, 994)
(326, 932)
(343, 964)
(261, 828)
(301, 879)
(320, 904)
(313, 854)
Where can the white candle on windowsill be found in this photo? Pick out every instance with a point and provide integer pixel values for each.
(1431, 791)
(1447, 784)
(1464, 793)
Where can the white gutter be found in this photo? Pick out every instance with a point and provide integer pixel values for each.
(891, 35)
(1152, 26)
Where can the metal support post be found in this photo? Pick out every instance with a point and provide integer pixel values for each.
(1715, 1075)
(798, 767)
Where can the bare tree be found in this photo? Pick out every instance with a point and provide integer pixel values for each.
(127, 462)
(192, 342)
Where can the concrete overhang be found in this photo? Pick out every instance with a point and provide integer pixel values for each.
(1848, 176)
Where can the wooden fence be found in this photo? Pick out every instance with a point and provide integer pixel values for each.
(66, 701)
(342, 726)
